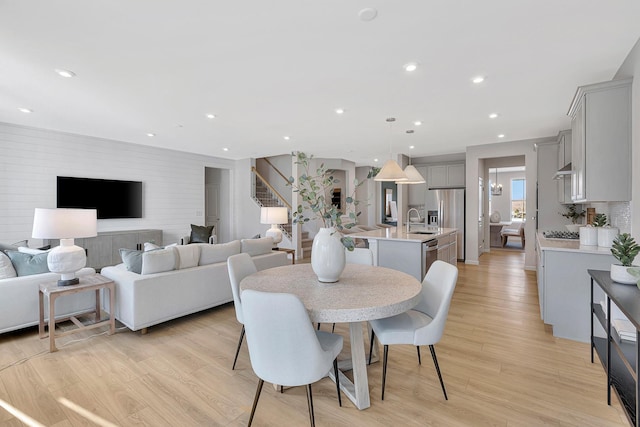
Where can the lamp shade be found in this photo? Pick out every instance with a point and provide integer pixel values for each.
(391, 171)
(64, 223)
(413, 176)
(274, 215)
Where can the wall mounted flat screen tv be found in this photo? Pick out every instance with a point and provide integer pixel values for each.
(112, 198)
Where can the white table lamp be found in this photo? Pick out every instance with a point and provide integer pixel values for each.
(274, 216)
(66, 225)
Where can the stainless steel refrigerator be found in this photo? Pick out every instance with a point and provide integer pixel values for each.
(446, 208)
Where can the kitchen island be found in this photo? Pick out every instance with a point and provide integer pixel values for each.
(564, 284)
(411, 252)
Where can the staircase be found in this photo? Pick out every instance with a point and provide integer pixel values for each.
(265, 197)
(306, 245)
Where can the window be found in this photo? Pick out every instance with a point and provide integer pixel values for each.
(518, 202)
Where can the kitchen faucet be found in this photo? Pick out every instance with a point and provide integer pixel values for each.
(409, 218)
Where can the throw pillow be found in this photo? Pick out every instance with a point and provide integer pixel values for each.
(188, 256)
(12, 246)
(200, 233)
(257, 246)
(32, 251)
(148, 246)
(132, 259)
(6, 268)
(159, 260)
(210, 254)
(28, 264)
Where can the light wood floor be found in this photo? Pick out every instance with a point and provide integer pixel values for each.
(501, 366)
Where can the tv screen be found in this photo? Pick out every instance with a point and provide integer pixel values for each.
(111, 198)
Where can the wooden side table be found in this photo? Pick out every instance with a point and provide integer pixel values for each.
(289, 251)
(87, 283)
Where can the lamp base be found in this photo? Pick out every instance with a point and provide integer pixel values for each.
(69, 282)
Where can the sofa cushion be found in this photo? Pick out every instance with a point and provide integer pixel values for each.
(200, 233)
(132, 259)
(28, 264)
(32, 251)
(12, 246)
(255, 247)
(211, 254)
(148, 246)
(6, 268)
(159, 260)
(188, 256)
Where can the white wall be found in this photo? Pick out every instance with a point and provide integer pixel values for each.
(502, 203)
(30, 160)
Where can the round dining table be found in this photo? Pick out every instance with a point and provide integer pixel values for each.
(362, 293)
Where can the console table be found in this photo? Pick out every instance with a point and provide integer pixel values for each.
(619, 358)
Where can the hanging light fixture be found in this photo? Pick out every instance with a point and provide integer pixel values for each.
(496, 189)
(414, 177)
(391, 171)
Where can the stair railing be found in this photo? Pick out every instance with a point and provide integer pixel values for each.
(273, 195)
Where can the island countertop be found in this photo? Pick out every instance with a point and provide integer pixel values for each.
(392, 233)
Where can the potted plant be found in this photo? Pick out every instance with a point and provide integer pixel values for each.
(574, 215)
(605, 233)
(624, 249)
(327, 253)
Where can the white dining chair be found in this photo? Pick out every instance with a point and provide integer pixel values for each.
(422, 325)
(283, 346)
(239, 266)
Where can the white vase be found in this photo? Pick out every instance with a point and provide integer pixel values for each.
(619, 274)
(327, 255)
(606, 235)
(588, 235)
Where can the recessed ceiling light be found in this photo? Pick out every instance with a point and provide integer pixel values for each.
(417, 123)
(478, 79)
(225, 149)
(211, 116)
(65, 73)
(410, 131)
(411, 147)
(368, 14)
(339, 110)
(501, 135)
(286, 138)
(411, 66)
(25, 110)
(493, 115)
(375, 160)
(151, 134)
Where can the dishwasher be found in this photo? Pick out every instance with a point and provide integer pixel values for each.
(429, 254)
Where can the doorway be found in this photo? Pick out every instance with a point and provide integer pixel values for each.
(217, 202)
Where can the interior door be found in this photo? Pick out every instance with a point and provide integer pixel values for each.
(212, 206)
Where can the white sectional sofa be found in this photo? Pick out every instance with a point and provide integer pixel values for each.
(144, 300)
(19, 306)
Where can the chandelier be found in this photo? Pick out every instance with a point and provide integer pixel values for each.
(496, 189)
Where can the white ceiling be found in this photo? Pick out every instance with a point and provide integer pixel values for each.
(270, 69)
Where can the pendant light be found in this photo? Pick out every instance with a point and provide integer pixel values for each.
(496, 189)
(391, 171)
(414, 177)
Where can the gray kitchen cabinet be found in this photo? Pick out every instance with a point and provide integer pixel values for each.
(601, 142)
(443, 176)
(417, 192)
(564, 159)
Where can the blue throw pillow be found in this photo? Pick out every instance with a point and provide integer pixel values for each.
(28, 264)
(132, 260)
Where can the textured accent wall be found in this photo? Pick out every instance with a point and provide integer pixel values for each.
(30, 160)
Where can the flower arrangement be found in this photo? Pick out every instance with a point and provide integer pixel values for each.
(573, 214)
(313, 188)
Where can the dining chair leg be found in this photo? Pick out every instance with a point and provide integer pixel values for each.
(384, 368)
(235, 359)
(373, 338)
(333, 328)
(419, 360)
(318, 326)
(255, 401)
(335, 372)
(435, 362)
(310, 404)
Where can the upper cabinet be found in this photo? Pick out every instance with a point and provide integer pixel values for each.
(601, 142)
(564, 161)
(443, 176)
(417, 191)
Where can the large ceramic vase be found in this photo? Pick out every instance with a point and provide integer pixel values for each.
(327, 255)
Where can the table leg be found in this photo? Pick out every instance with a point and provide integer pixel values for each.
(98, 317)
(112, 307)
(52, 324)
(41, 323)
(360, 379)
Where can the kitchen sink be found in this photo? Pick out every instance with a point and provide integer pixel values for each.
(423, 232)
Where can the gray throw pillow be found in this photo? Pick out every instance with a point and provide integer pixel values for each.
(132, 260)
(200, 233)
(28, 264)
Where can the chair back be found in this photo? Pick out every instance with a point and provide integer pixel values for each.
(359, 256)
(437, 290)
(283, 345)
(240, 266)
